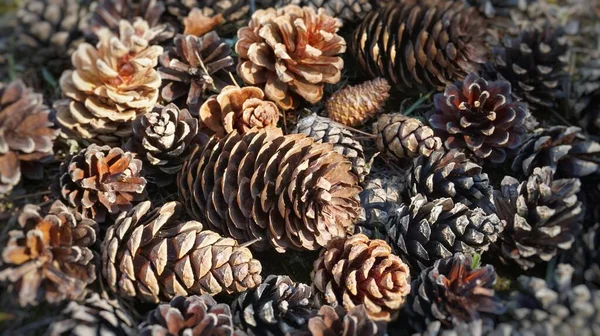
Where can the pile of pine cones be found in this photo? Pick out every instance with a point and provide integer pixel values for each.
(300, 167)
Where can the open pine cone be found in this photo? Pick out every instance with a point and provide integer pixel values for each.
(49, 257)
(99, 181)
(111, 84)
(151, 255)
(287, 191)
(337, 321)
(26, 134)
(479, 116)
(356, 270)
(239, 109)
(291, 52)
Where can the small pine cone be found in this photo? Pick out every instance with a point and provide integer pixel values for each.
(426, 44)
(536, 64)
(26, 134)
(586, 92)
(337, 321)
(194, 315)
(565, 149)
(540, 308)
(354, 105)
(277, 307)
(323, 130)
(94, 316)
(232, 11)
(450, 174)
(291, 53)
(151, 255)
(239, 109)
(193, 67)
(426, 231)
(542, 215)
(400, 137)
(111, 85)
(480, 117)
(287, 191)
(452, 291)
(356, 270)
(163, 138)
(49, 257)
(381, 195)
(99, 181)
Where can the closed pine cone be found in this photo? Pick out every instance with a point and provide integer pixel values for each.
(49, 257)
(354, 105)
(110, 85)
(337, 321)
(400, 137)
(150, 254)
(99, 181)
(356, 270)
(291, 52)
(237, 109)
(287, 191)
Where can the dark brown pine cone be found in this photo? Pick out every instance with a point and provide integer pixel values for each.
(419, 45)
(193, 67)
(543, 215)
(277, 307)
(453, 291)
(586, 97)
(479, 116)
(100, 181)
(337, 321)
(48, 258)
(26, 134)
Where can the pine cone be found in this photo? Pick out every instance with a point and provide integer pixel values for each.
(453, 291)
(99, 181)
(48, 32)
(233, 11)
(560, 309)
(400, 137)
(586, 91)
(356, 270)
(338, 321)
(291, 52)
(565, 149)
(194, 315)
(111, 85)
(536, 64)
(426, 231)
(323, 130)
(163, 139)
(278, 306)
(480, 116)
(237, 109)
(542, 216)
(94, 316)
(585, 257)
(450, 174)
(380, 197)
(287, 191)
(173, 258)
(193, 66)
(397, 41)
(454, 328)
(354, 105)
(26, 134)
(49, 257)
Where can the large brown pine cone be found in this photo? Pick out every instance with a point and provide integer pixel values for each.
(287, 191)
(48, 258)
(453, 291)
(543, 215)
(150, 254)
(338, 321)
(420, 45)
(291, 52)
(354, 105)
(190, 316)
(356, 270)
(110, 85)
(479, 116)
(193, 67)
(26, 134)
(99, 181)
(238, 109)
(399, 137)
